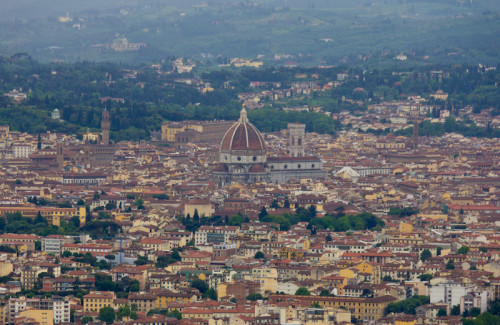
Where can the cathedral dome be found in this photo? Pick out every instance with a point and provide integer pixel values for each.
(242, 136)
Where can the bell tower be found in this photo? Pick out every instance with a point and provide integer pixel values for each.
(105, 126)
(296, 136)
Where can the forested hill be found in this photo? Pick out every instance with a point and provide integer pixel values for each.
(302, 31)
(141, 97)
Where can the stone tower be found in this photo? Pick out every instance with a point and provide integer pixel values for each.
(296, 132)
(60, 156)
(105, 126)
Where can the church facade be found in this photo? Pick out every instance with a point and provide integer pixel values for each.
(243, 159)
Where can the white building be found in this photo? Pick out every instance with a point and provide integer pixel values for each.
(59, 305)
(449, 292)
(22, 150)
(54, 244)
(214, 234)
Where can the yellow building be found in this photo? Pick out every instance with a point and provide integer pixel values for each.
(267, 277)
(96, 300)
(337, 282)
(170, 129)
(3, 311)
(41, 316)
(370, 268)
(405, 227)
(364, 309)
(6, 268)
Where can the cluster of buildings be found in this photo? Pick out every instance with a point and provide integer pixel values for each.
(223, 176)
(209, 216)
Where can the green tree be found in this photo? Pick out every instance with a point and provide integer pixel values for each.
(141, 260)
(262, 213)
(210, 294)
(425, 277)
(259, 255)
(123, 311)
(474, 312)
(175, 314)
(449, 265)
(107, 314)
(455, 310)
(425, 255)
(201, 285)
(483, 249)
(87, 319)
(175, 255)
(463, 250)
(441, 312)
(254, 297)
(325, 293)
(302, 291)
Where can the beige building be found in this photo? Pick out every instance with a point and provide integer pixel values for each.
(204, 208)
(41, 316)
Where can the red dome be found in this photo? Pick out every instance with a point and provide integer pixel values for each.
(242, 135)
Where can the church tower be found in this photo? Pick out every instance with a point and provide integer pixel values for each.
(60, 156)
(296, 133)
(105, 126)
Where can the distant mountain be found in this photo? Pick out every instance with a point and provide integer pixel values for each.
(307, 32)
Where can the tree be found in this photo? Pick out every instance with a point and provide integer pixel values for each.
(425, 277)
(123, 311)
(175, 314)
(441, 312)
(211, 294)
(407, 306)
(110, 257)
(286, 204)
(199, 284)
(135, 287)
(474, 312)
(196, 216)
(483, 249)
(110, 206)
(325, 293)
(316, 305)
(275, 204)
(425, 255)
(259, 255)
(262, 213)
(438, 250)
(455, 310)
(87, 319)
(463, 250)
(107, 314)
(175, 255)
(254, 297)
(494, 308)
(449, 265)
(141, 260)
(66, 254)
(302, 291)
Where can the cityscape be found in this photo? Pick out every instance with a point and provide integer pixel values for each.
(257, 189)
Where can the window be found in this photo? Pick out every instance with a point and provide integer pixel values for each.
(286, 166)
(239, 158)
(312, 165)
(254, 158)
(298, 166)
